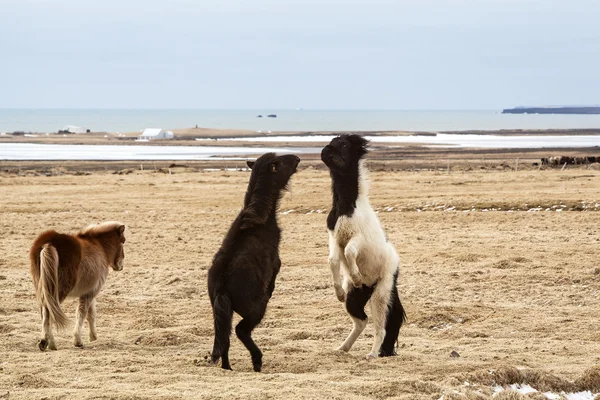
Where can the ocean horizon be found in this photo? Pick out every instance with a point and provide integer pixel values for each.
(48, 120)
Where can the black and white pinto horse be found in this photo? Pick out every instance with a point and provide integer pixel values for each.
(242, 276)
(359, 249)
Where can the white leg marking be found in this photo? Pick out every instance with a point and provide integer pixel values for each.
(359, 326)
(334, 264)
(379, 311)
(351, 252)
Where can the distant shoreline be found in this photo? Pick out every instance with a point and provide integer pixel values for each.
(188, 136)
(553, 110)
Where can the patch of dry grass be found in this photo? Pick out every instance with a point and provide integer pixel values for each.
(513, 292)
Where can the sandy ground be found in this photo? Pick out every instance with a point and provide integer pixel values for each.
(515, 293)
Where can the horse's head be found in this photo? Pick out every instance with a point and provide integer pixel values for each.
(111, 236)
(344, 152)
(269, 178)
(273, 171)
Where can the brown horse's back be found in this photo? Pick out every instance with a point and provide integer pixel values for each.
(69, 256)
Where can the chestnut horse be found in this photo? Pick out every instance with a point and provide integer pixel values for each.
(75, 266)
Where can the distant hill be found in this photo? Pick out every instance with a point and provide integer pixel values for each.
(552, 110)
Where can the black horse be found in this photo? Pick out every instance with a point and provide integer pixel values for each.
(242, 276)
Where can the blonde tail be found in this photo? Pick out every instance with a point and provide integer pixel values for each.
(47, 290)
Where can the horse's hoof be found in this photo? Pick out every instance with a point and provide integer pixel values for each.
(257, 361)
(357, 283)
(80, 345)
(342, 348)
(371, 356)
(341, 297)
(43, 345)
(93, 338)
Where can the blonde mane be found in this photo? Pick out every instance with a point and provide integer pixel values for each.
(99, 229)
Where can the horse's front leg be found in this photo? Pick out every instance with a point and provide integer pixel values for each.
(82, 310)
(351, 253)
(91, 319)
(271, 286)
(335, 262)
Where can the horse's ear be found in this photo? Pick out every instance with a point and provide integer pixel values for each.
(250, 164)
(121, 230)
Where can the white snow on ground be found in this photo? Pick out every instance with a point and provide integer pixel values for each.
(524, 389)
(31, 151)
(449, 140)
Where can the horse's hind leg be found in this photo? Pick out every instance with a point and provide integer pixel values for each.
(243, 330)
(82, 310)
(47, 336)
(223, 314)
(382, 296)
(356, 300)
(395, 319)
(91, 319)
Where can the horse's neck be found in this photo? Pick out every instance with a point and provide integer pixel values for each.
(363, 180)
(350, 188)
(260, 209)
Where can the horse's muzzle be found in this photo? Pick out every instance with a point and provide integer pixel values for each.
(326, 155)
(297, 161)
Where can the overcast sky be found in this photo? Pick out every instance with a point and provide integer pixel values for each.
(325, 54)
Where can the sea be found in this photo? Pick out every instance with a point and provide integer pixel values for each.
(134, 120)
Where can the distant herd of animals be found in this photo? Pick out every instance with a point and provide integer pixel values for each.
(364, 264)
(567, 160)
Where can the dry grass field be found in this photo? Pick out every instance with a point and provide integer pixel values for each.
(501, 267)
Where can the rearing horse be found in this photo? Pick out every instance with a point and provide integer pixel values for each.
(76, 266)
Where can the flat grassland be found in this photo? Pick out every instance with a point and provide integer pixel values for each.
(501, 267)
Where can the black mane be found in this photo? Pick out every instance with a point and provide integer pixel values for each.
(262, 196)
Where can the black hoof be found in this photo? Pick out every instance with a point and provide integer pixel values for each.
(227, 367)
(257, 361)
(80, 345)
(43, 345)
